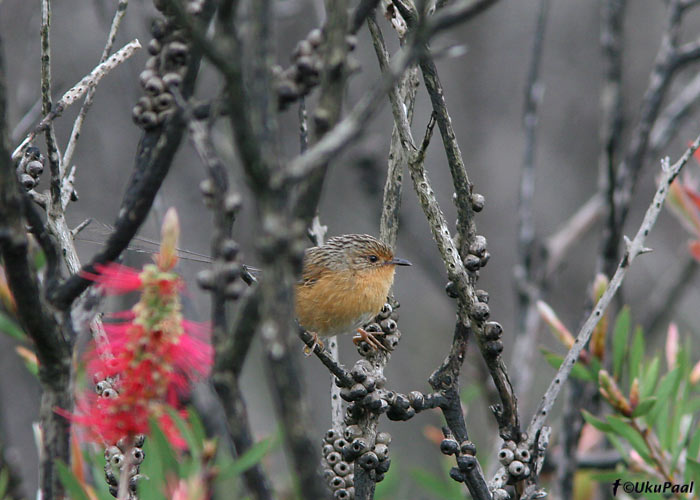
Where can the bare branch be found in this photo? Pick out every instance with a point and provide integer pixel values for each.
(90, 95)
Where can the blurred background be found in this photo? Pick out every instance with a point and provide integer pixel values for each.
(484, 89)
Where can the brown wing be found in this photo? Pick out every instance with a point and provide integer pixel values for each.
(315, 266)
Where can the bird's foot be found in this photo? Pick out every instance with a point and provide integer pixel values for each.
(370, 338)
(310, 349)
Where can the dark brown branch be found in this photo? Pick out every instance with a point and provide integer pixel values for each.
(224, 204)
(328, 112)
(52, 349)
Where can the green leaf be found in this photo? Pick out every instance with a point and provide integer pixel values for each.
(636, 354)
(39, 259)
(194, 445)
(667, 389)
(251, 457)
(644, 407)
(649, 377)
(619, 340)
(10, 328)
(160, 463)
(578, 371)
(694, 444)
(196, 425)
(692, 470)
(70, 482)
(630, 434)
(444, 488)
(388, 489)
(599, 424)
(608, 477)
(469, 394)
(4, 481)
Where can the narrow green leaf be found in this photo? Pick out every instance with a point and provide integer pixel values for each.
(194, 445)
(469, 394)
(578, 371)
(636, 354)
(692, 470)
(630, 434)
(160, 463)
(70, 482)
(599, 424)
(444, 488)
(644, 407)
(10, 328)
(163, 447)
(619, 341)
(388, 489)
(694, 444)
(4, 481)
(39, 259)
(32, 367)
(649, 377)
(251, 457)
(665, 392)
(196, 424)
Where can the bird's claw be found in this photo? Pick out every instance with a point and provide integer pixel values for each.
(310, 349)
(370, 339)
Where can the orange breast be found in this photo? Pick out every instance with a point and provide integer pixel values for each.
(340, 301)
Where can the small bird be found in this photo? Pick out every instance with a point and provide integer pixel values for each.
(344, 284)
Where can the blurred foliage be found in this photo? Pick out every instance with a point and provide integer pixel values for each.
(194, 474)
(653, 417)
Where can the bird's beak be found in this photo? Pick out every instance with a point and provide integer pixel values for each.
(400, 262)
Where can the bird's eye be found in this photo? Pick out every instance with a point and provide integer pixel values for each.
(373, 258)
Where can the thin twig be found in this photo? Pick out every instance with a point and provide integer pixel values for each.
(89, 97)
(53, 154)
(673, 115)
(77, 91)
(527, 319)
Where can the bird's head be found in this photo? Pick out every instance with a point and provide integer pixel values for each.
(365, 252)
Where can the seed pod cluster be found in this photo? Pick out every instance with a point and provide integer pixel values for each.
(385, 328)
(165, 69)
(515, 458)
(464, 453)
(304, 73)
(337, 470)
(115, 459)
(30, 167)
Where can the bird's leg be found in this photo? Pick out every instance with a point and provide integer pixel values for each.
(370, 338)
(317, 342)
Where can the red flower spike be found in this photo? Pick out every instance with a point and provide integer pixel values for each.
(115, 278)
(150, 358)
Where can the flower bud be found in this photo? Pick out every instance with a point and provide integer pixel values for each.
(634, 394)
(612, 393)
(170, 234)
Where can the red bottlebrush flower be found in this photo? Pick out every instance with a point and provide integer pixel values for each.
(150, 358)
(114, 278)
